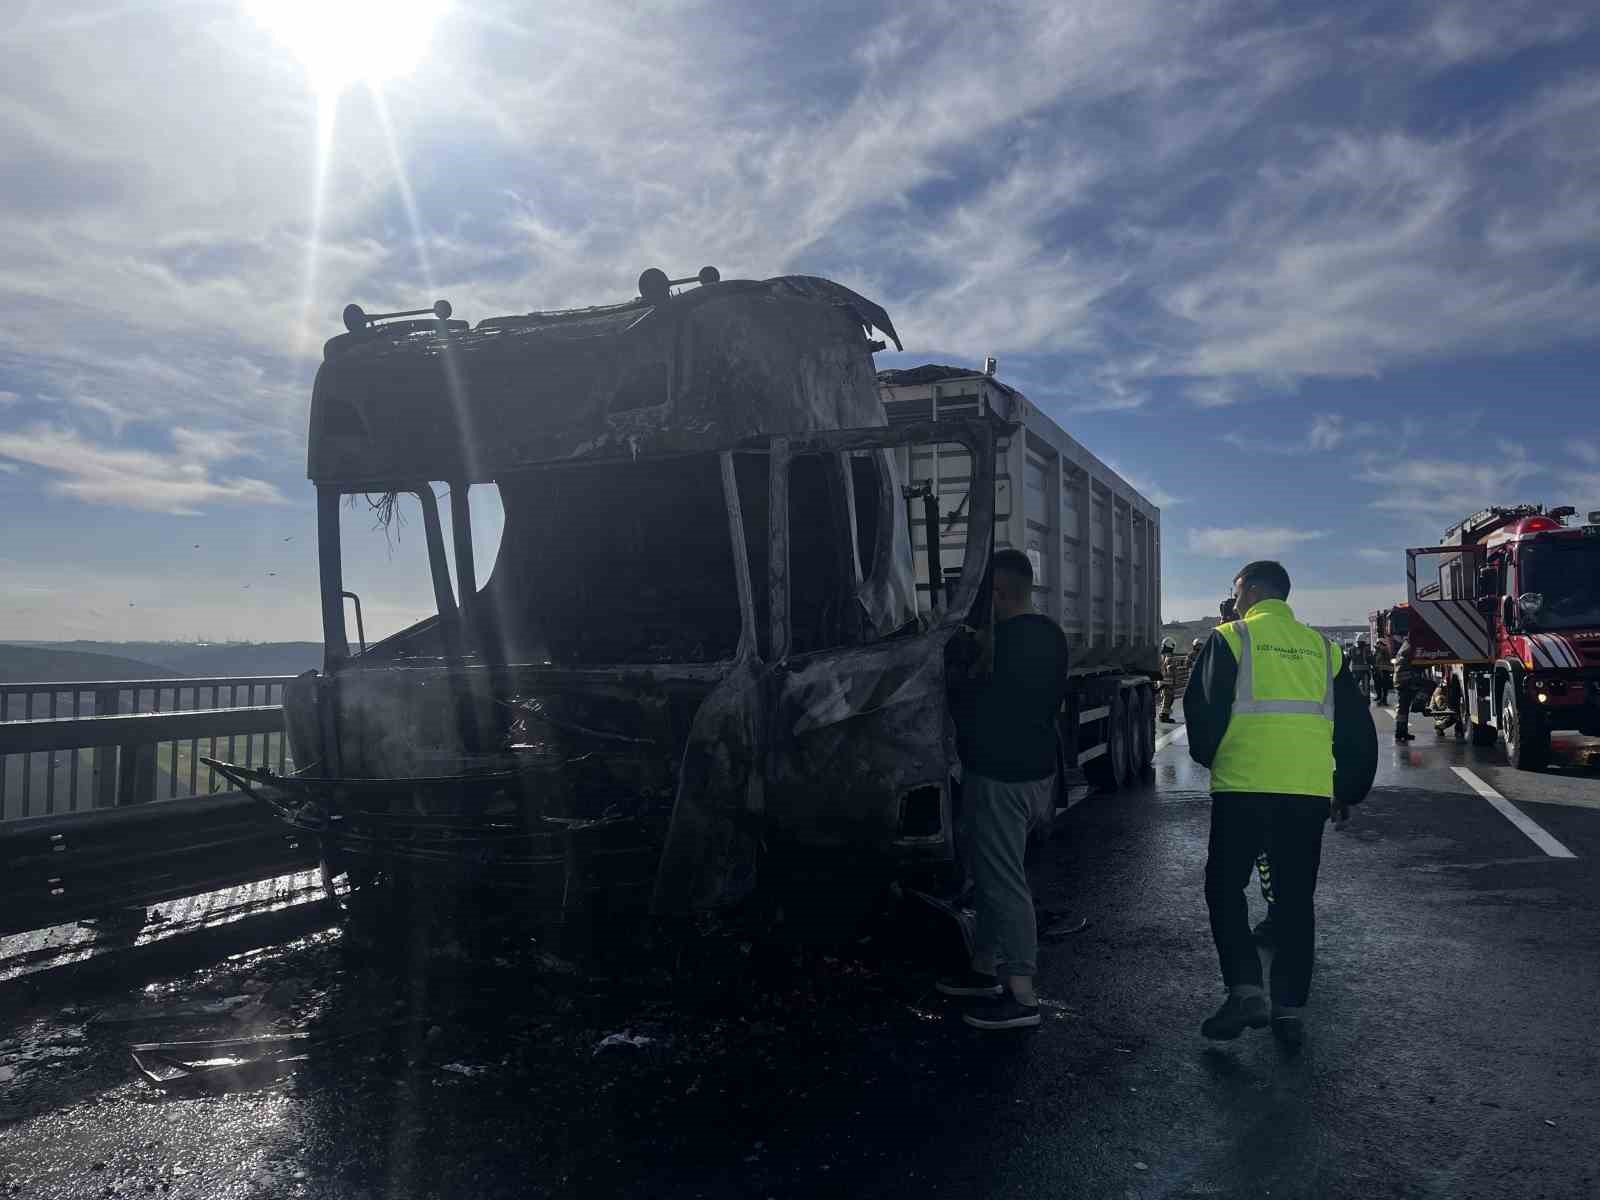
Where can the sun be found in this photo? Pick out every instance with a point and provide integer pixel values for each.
(344, 42)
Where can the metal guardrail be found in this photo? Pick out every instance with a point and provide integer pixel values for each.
(65, 868)
(84, 826)
(84, 745)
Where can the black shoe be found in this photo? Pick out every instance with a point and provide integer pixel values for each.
(1289, 1032)
(1004, 1012)
(1237, 1014)
(1168, 721)
(972, 983)
(1263, 930)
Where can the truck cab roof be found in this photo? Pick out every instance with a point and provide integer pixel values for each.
(707, 368)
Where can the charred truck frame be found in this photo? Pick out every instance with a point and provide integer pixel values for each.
(699, 653)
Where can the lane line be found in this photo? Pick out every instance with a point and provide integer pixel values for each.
(1515, 815)
(1166, 739)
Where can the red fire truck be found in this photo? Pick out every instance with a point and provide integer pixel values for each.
(1509, 605)
(1387, 628)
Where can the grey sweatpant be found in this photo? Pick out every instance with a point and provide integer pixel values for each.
(996, 818)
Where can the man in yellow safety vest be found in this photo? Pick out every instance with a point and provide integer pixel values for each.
(1273, 711)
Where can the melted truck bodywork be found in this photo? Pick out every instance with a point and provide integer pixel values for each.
(699, 642)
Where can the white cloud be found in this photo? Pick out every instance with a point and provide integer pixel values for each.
(178, 483)
(1249, 541)
(8, 398)
(1328, 431)
(1439, 491)
(1373, 554)
(1585, 451)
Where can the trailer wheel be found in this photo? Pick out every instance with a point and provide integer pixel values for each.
(1527, 736)
(1142, 718)
(1108, 771)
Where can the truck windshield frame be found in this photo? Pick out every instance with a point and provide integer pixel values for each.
(330, 561)
(1566, 573)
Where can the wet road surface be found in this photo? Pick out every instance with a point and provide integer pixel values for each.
(1453, 1048)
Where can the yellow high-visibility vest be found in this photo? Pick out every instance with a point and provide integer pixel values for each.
(1280, 736)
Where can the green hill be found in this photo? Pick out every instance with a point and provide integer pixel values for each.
(27, 664)
(209, 658)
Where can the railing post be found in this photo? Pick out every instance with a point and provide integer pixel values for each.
(136, 782)
(105, 757)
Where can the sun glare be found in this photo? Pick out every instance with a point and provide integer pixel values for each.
(351, 41)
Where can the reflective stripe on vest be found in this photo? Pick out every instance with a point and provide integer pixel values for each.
(1244, 688)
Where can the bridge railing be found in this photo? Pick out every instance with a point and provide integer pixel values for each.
(88, 766)
(106, 806)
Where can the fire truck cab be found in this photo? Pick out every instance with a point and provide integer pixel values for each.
(1509, 605)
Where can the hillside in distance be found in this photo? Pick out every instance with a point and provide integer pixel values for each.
(25, 664)
(162, 660)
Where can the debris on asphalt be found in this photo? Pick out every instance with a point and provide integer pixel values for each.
(221, 1064)
(144, 1014)
(635, 1041)
(467, 1069)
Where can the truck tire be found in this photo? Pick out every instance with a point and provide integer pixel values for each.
(1109, 771)
(1143, 720)
(1522, 726)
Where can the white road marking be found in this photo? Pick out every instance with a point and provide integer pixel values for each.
(1515, 815)
(1166, 739)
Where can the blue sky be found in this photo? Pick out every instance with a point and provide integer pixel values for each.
(1319, 278)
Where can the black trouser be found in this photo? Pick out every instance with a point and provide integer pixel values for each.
(1404, 698)
(1289, 829)
(1381, 682)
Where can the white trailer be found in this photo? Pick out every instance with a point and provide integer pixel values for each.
(1094, 541)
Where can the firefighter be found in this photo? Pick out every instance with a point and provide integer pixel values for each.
(1263, 929)
(1273, 711)
(1169, 655)
(1409, 681)
(1446, 708)
(1382, 674)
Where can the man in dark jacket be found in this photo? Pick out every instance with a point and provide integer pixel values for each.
(1004, 700)
(1274, 713)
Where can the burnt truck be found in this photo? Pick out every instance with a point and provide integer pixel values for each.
(702, 664)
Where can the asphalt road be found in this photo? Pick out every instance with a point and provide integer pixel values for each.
(1453, 1047)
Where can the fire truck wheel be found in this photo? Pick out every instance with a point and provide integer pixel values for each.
(1526, 735)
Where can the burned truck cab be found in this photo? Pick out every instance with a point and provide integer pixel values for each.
(698, 646)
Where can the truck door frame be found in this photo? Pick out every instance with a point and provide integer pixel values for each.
(857, 749)
(1457, 621)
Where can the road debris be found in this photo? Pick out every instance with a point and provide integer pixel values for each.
(634, 1041)
(145, 1014)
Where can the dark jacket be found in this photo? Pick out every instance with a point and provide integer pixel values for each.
(1407, 675)
(1006, 720)
(1208, 707)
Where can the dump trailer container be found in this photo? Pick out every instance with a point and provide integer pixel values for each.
(1094, 541)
